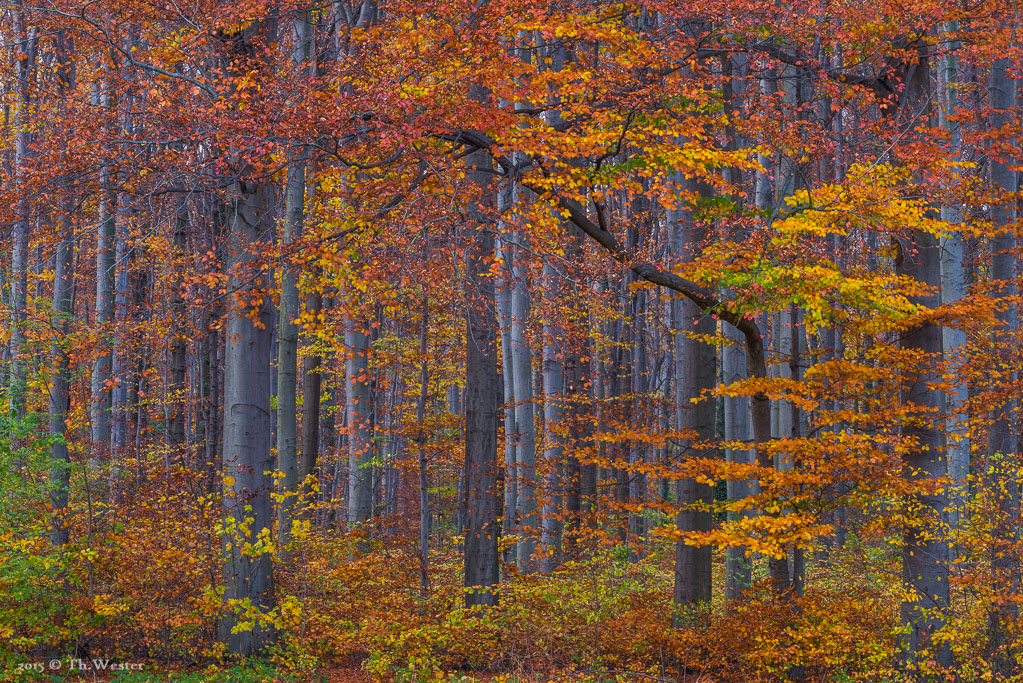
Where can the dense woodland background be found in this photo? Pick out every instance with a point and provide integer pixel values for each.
(529, 340)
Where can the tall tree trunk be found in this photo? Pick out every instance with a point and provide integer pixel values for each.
(287, 336)
(798, 431)
(479, 497)
(247, 456)
(63, 310)
(925, 552)
(178, 360)
(311, 397)
(122, 364)
(953, 288)
(287, 349)
(738, 563)
(637, 449)
(1002, 437)
(360, 423)
(503, 304)
(424, 482)
(522, 379)
(577, 378)
(100, 414)
(60, 373)
(695, 372)
(553, 390)
(925, 548)
(106, 235)
(589, 472)
(25, 67)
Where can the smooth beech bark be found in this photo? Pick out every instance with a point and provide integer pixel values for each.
(60, 372)
(248, 459)
(925, 552)
(695, 372)
(522, 381)
(26, 47)
(503, 305)
(479, 501)
(178, 353)
(554, 390)
(1002, 451)
(287, 335)
(360, 423)
(63, 311)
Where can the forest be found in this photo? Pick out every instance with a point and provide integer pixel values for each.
(516, 341)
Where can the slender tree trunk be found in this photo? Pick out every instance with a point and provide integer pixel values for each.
(738, 563)
(63, 312)
(798, 431)
(178, 359)
(26, 47)
(424, 482)
(60, 373)
(287, 349)
(589, 472)
(925, 552)
(479, 497)
(311, 397)
(100, 417)
(953, 288)
(638, 450)
(287, 337)
(522, 379)
(553, 389)
(106, 235)
(214, 443)
(577, 376)
(503, 302)
(122, 376)
(360, 424)
(1002, 437)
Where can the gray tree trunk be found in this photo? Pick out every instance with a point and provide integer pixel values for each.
(479, 501)
(503, 302)
(738, 563)
(24, 71)
(695, 371)
(522, 380)
(178, 359)
(553, 389)
(287, 350)
(424, 480)
(106, 235)
(121, 370)
(925, 551)
(953, 288)
(311, 396)
(63, 311)
(1002, 437)
(60, 375)
(360, 424)
(287, 333)
(247, 456)
(637, 450)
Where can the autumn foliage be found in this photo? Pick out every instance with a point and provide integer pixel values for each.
(511, 339)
